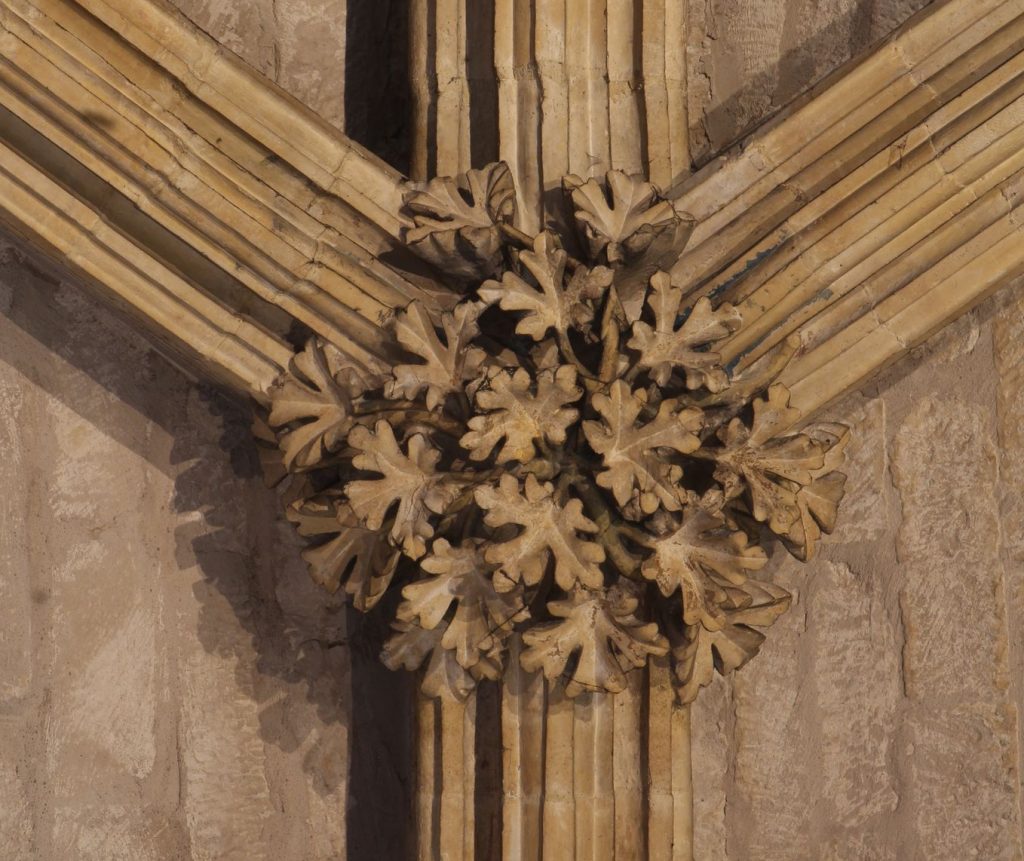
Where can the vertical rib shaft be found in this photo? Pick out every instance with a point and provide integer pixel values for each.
(582, 86)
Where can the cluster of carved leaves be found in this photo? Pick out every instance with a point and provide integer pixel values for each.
(562, 458)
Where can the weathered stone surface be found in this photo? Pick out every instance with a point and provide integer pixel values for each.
(954, 612)
(171, 684)
(879, 723)
(299, 44)
(712, 723)
(749, 59)
(865, 513)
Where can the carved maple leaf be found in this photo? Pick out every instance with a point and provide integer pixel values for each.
(819, 501)
(664, 348)
(626, 227)
(772, 470)
(549, 529)
(446, 366)
(313, 405)
(702, 558)
(408, 480)
(729, 646)
(601, 632)
(457, 220)
(554, 305)
(445, 677)
(520, 417)
(361, 558)
(461, 576)
(626, 448)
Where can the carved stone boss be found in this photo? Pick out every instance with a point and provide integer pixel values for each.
(563, 453)
(536, 468)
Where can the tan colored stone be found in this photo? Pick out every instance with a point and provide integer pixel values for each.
(955, 664)
(896, 273)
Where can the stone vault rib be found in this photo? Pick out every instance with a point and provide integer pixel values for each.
(231, 349)
(874, 210)
(294, 216)
(838, 213)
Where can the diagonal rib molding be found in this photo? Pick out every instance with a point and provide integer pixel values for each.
(877, 208)
(293, 217)
(846, 218)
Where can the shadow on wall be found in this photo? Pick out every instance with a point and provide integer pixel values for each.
(377, 97)
(307, 663)
(304, 638)
(291, 645)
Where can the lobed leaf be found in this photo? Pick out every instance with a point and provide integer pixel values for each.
(457, 221)
(627, 449)
(601, 633)
(624, 227)
(550, 530)
(409, 480)
(446, 366)
(520, 417)
(663, 348)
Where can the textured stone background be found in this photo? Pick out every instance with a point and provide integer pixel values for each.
(171, 687)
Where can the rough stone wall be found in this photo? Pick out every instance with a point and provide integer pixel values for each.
(882, 718)
(171, 687)
(168, 688)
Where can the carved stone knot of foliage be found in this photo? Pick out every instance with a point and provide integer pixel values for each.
(562, 457)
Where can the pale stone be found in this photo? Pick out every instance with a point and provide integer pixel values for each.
(16, 586)
(865, 513)
(712, 720)
(954, 616)
(857, 687)
(768, 745)
(104, 448)
(16, 803)
(300, 44)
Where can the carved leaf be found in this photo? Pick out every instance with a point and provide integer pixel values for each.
(773, 470)
(819, 501)
(361, 558)
(702, 558)
(521, 417)
(549, 529)
(483, 616)
(446, 366)
(729, 647)
(664, 348)
(553, 305)
(626, 449)
(625, 228)
(410, 645)
(601, 632)
(313, 406)
(410, 481)
(457, 220)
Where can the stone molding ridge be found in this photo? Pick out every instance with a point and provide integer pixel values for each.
(862, 218)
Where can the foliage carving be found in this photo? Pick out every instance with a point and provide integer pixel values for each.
(565, 457)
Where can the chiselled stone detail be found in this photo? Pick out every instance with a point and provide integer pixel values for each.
(564, 453)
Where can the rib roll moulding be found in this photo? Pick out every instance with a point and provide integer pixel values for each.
(555, 410)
